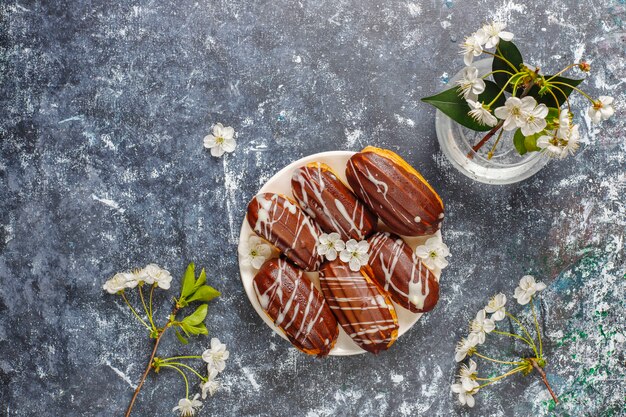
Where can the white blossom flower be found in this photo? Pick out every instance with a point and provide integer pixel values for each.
(550, 146)
(116, 284)
(514, 111)
(154, 274)
(433, 253)
(471, 85)
(564, 123)
(467, 375)
(471, 47)
(534, 121)
(466, 397)
(481, 113)
(255, 252)
(572, 141)
(187, 407)
(211, 385)
(329, 245)
(527, 288)
(222, 139)
(216, 356)
(602, 109)
(481, 325)
(496, 307)
(465, 347)
(356, 254)
(494, 32)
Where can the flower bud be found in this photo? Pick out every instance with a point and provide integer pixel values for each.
(584, 66)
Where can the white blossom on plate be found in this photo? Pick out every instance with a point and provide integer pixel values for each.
(527, 288)
(495, 307)
(481, 325)
(222, 139)
(255, 252)
(187, 407)
(211, 385)
(467, 375)
(602, 109)
(465, 347)
(466, 397)
(494, 32)
(433, 253)
(216, 356)
(356, 254)
(470, 84)
(481, 113)
(154, 274)
(329, 245)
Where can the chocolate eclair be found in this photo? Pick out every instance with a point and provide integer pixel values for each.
(395, 192)
(296, 307)
(333, 206)
(362, 309)
(402, 274)
(282, 223)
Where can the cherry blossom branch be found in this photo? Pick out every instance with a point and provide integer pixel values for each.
(149, 367)
(488, 136)
(544, 378)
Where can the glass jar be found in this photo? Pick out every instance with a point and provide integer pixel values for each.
(506, 166)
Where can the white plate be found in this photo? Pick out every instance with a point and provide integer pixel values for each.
(281, 183)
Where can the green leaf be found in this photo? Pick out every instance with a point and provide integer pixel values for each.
(509, 51)
(197, 316)
(455, 107)
(188, 280)
(204, 293)
(200, 281)
(181, 338)
(518, 141)
(530, 142)
(543, 95)
(194, 329)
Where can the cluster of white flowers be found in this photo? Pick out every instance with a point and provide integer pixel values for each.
(525, 113)
(488, 37)
(255, 252)
(467, 386)
(221, 139)
(152, 274)
(215, 357)
(353, 252)
(433, 253)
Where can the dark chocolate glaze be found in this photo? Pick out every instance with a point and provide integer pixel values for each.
(332, 205)
(295, 306)
(401, 274)
(362, 309)
(399, 197)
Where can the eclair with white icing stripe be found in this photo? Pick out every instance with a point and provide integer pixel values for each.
(402, 274)
(395, 192)
(296, 307)
(362, 309)
(282, 223)
(332, 205)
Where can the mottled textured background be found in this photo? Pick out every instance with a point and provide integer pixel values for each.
(104, 107)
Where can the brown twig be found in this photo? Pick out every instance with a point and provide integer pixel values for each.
(544, 378)
(149, 367)
(488, 136)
